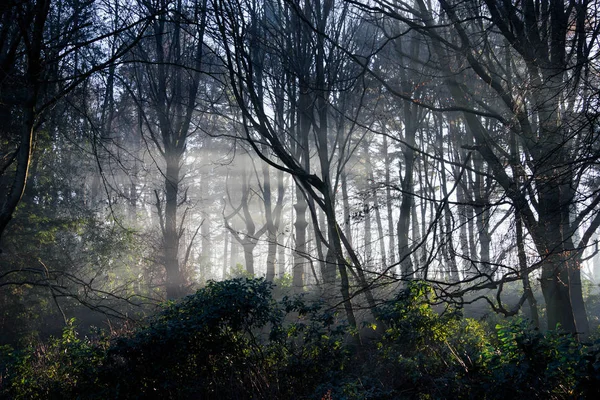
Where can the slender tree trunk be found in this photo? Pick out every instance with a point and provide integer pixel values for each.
(271, 227)
(346, 204)
(482, 215)
(301, 205)
(226, 255)
(380, 234)
(403, 227)
(281, 258)
(447, 225)
(207, 241)
(367, 209)
(389, 201)
(33, 47)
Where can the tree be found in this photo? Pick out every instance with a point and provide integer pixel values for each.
(533, 61)
(250, 237)
(47, 51)
(246, 84)
(166, 90)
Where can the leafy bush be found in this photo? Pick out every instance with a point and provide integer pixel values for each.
(232, 340)
(209, 344)
(523, 362)
(229, 340)
(428, 354)
(51, 371)
(423, 351)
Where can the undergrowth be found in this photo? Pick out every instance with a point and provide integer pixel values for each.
(232, 340)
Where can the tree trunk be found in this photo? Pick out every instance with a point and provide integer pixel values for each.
(531, 301)
(389, 201)
(226, 255)
(170, 233)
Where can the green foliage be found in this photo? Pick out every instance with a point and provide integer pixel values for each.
(284, 282)
(239, 271)
(592, 306)
(427, 354)
(422, 349)
(521, 361)
(232, 340)
(51, 371)
(72, 250)
(228, 340)
(206, 343)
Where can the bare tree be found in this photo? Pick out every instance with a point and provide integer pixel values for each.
(533, 59)
(166, 91)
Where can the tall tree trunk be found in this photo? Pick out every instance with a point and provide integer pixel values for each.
(250, 237)
(271, 225)
(448, 251)
(226, 255)
(346, 204)
(389, 201)
(207, 241)
(175, 280)
(482, 215)
(334, 252)
(26, 136)
(303, 127)
(380, 234)
(368, 207)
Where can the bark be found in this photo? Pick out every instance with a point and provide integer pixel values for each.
(346, 205)
(171, 236)
(281, 258)
(482, 214)
(271, 227)
(448, 251)
(368, 207)
(206, 254)
(389, 201)
(542, 129)
(380, 234)
(334, 253)
(403, 228)
(301, 153)
(273, 218)
(173, 98)
(531, 301)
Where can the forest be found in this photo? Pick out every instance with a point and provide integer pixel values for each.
(299, 199)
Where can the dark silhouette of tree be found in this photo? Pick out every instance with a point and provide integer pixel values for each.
(47, 51)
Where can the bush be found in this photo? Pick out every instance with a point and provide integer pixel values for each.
(229, 340)
(423, 351)
(232, 340)
(523, 362)
(51, 371)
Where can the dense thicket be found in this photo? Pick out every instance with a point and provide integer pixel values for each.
(233, 340)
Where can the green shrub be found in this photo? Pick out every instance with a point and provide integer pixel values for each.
(209, 343)
(523, 362)
(232, 340)
(424, 351)
(53, 370)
